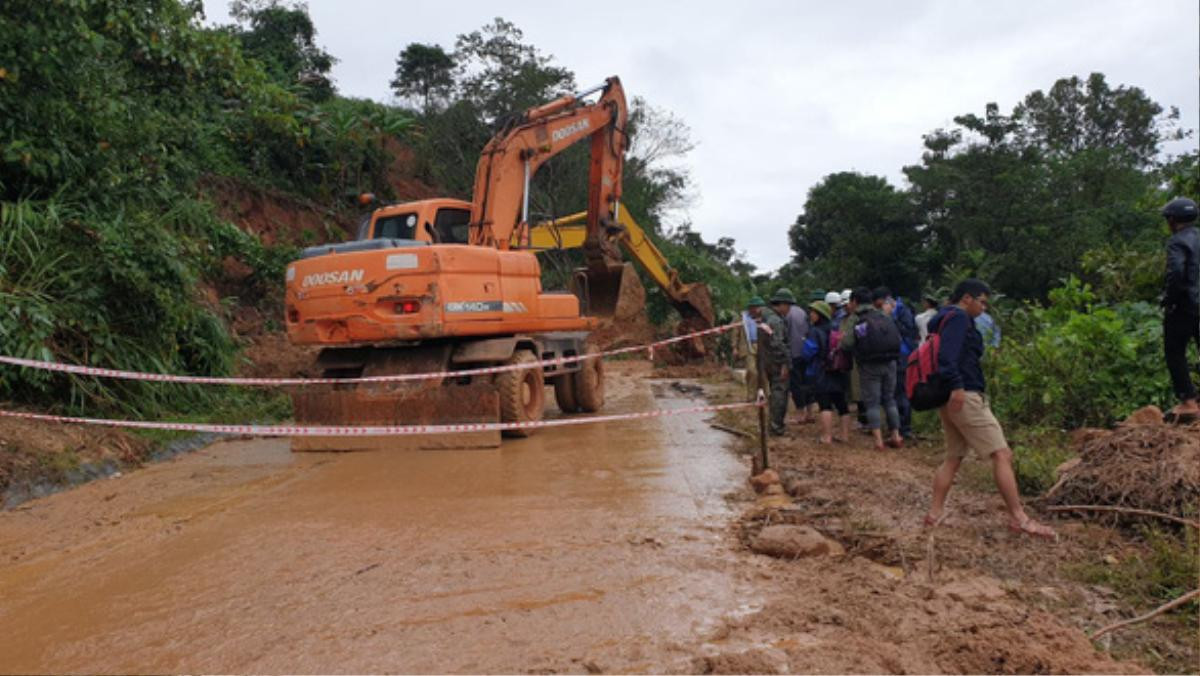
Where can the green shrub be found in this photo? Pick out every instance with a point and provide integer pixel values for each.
(1037, 453)
(1078, 362)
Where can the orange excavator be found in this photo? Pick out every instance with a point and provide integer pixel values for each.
(438, 286)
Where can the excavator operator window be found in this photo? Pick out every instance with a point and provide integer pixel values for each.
(453, 226)
(398, 226)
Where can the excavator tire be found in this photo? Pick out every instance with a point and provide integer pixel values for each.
(564, 393)
(522, 393)
(589, 384)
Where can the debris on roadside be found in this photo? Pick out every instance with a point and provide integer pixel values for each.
(1141, 464)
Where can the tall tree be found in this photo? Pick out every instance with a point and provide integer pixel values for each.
(282, 36)
(1020, 198)
(500, 74)
(425, 73)
(860, 230)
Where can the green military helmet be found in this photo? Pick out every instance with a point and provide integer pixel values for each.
(784, 295)
(819, 294)
(756, 301)
(822, 308)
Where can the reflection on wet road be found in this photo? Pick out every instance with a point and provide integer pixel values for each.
(598, 546)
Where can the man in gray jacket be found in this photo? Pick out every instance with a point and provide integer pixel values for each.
(1181, 301)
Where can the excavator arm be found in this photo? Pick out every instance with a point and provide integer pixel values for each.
(500, 209)
(692, 301)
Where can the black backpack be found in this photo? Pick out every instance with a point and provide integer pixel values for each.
(881, 342)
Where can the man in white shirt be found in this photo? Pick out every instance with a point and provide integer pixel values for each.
(931, 309)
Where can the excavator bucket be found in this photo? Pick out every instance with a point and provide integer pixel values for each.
(612, 291)
(442, 401)
(696, 314)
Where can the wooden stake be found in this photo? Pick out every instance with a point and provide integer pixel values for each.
(764, 461)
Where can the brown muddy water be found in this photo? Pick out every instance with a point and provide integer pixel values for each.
(601, 547)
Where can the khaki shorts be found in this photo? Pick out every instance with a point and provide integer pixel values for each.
(973, 427)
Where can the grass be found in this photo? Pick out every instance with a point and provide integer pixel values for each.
(1164, 566)
(56, 466)
(1167, 567)
(240, 407)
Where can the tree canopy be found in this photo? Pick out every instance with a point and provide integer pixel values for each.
(1019, 199)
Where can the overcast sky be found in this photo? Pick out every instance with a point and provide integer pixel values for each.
(780, 94)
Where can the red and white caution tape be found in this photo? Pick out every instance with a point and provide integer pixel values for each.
(367, 431)
(276, 382)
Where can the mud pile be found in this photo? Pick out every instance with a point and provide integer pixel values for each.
(1142, 464)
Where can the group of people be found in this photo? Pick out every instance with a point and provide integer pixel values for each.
(853, 346)
(855, 350)
(843, 348)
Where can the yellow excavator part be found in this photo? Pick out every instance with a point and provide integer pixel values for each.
(693, 301)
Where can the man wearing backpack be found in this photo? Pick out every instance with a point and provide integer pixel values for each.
(967, 419)
(826, 373)
(875, 343)
(855, 300)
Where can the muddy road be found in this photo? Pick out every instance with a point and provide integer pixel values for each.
(604, 547)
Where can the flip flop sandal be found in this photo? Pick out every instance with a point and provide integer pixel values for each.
(1034, 529)
(930, 522)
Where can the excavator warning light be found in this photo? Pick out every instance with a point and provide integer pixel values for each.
(366, 198)
(408, 307)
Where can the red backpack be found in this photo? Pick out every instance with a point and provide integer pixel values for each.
(926, 389)
(837, 360)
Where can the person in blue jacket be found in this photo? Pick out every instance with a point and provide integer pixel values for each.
(828, 386)
(967, 419)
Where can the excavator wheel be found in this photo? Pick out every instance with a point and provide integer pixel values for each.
(564, 393)
(522, 393)
(589, 384)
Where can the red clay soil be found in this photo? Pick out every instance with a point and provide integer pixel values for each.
(280, 217)
(966, 597)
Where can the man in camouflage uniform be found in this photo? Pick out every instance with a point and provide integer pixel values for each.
(773, 341)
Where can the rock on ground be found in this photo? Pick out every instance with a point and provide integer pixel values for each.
(794, 541)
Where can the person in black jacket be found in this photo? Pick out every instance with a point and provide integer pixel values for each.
(1181, 302)
(967, 419)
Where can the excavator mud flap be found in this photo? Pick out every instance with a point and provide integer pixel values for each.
(611, 291)
(442, 401)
